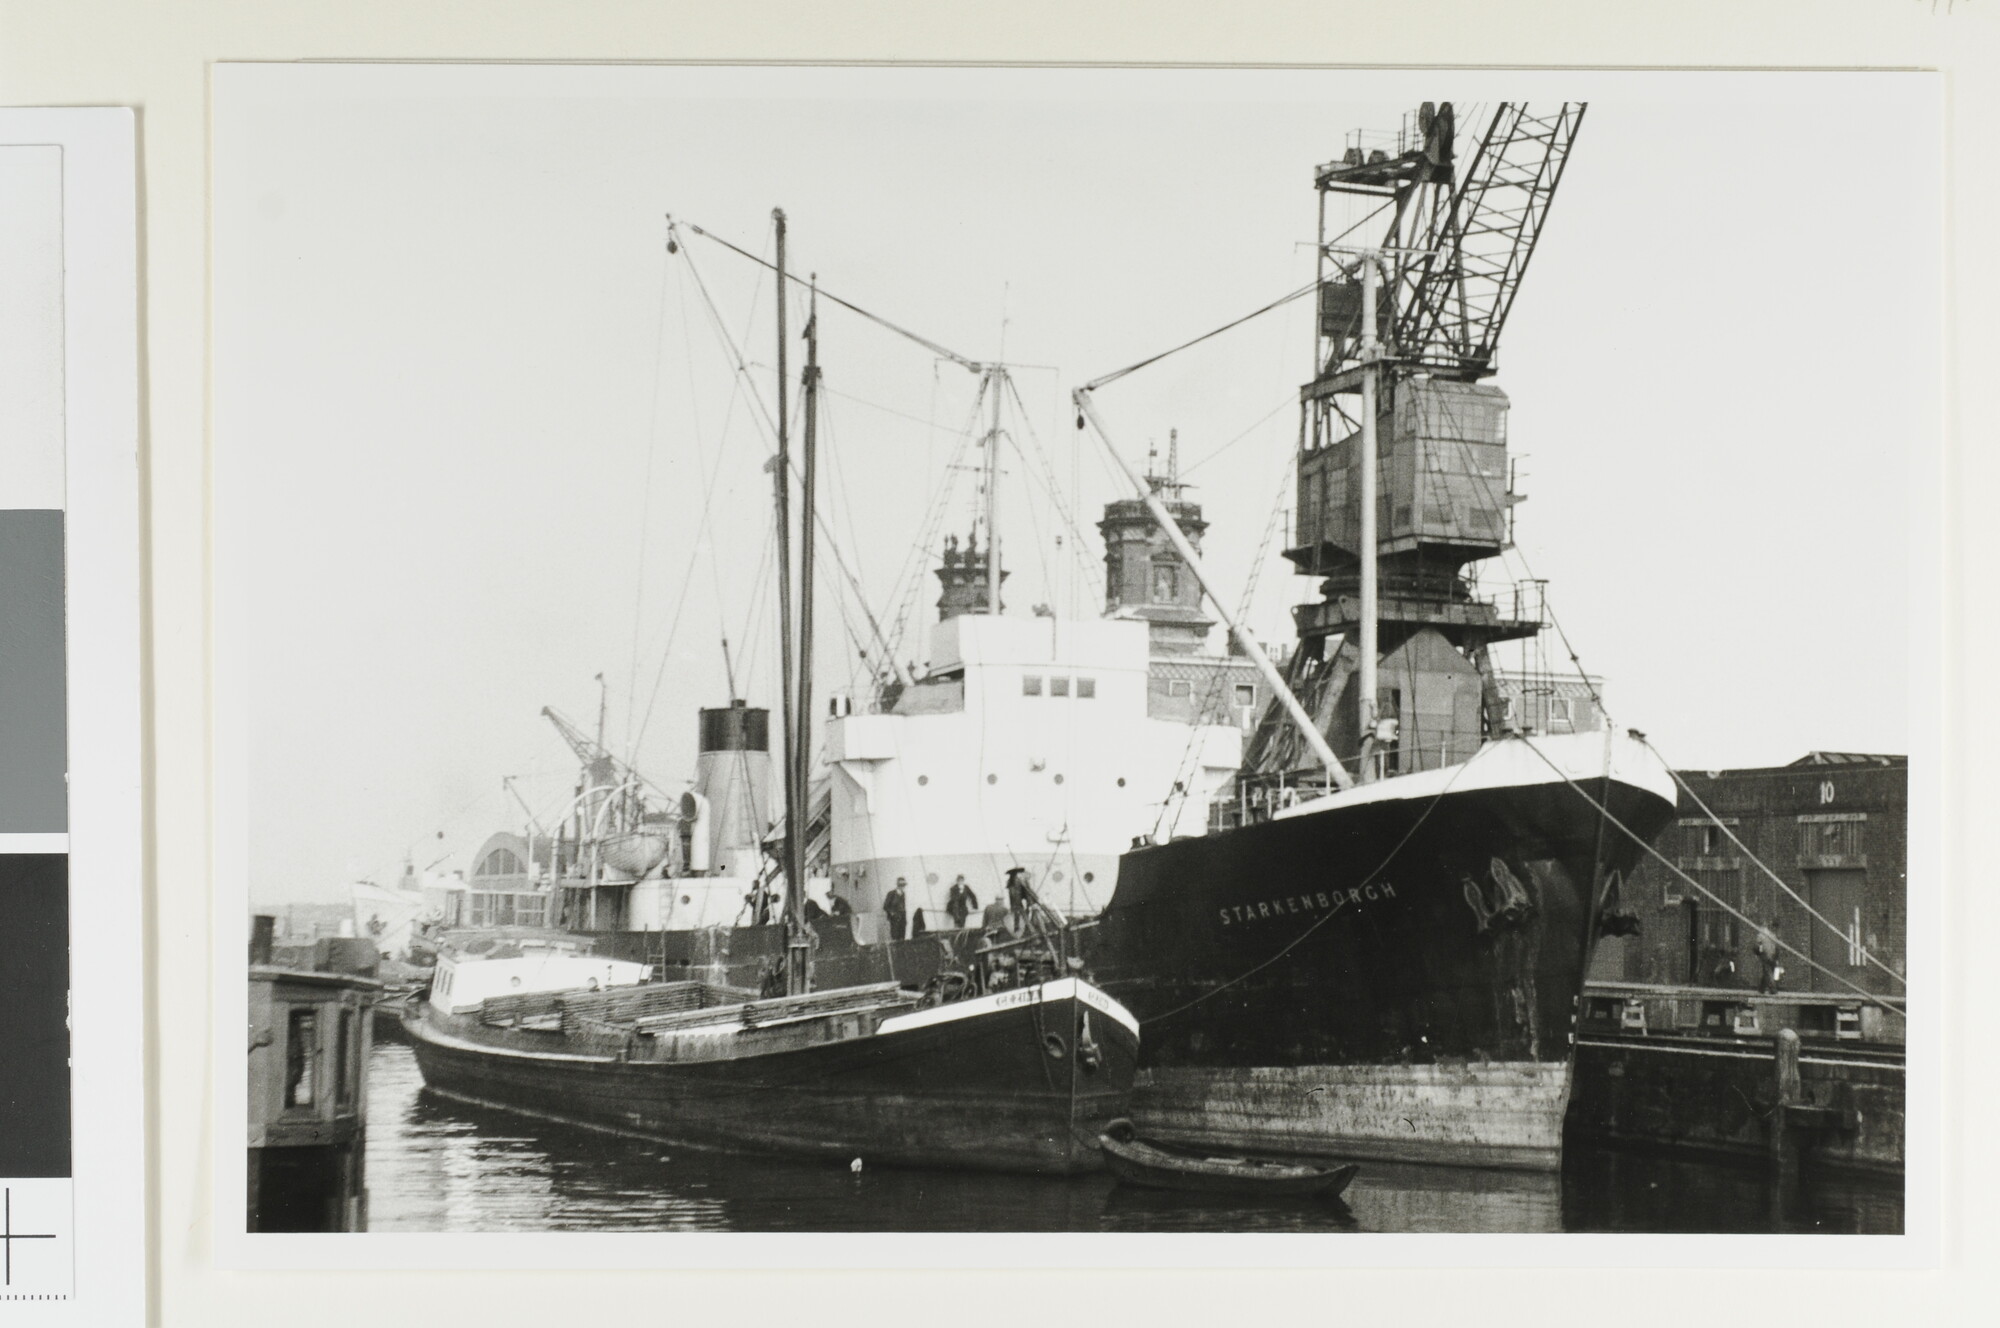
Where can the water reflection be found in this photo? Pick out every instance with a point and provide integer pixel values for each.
(1606, 1190)
(439, 1165)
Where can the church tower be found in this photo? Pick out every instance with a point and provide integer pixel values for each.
(1144, 577)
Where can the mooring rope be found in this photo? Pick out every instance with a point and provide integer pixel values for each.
(1870, 997)
(1761, 866)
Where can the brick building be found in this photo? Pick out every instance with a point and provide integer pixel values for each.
(1833, 826)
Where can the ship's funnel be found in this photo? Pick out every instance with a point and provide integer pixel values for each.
(733, 781)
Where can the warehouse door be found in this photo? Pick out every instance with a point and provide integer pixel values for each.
(1835, 893)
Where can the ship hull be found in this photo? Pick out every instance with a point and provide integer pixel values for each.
(1360, 981)
(999, 1085)
(1394, 978)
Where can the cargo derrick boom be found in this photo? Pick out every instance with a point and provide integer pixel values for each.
(1453, 253)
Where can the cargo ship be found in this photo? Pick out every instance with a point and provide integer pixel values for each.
(1349, 889)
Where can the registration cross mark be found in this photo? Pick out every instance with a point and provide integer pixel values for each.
(8, 1236)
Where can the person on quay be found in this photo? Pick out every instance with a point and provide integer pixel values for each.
(1766, 949)
(895, 907)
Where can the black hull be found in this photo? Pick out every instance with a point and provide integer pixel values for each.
(1002, 1090)
(1395, 979)
(1392, 979)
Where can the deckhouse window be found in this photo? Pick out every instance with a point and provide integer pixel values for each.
(1086, 689)
(1059, 687)
(1246, 694)
(1166, 583)
(1031, 684)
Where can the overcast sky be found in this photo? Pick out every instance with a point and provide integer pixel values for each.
(478, 438)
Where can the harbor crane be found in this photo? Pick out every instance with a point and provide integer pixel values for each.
(1403, 474)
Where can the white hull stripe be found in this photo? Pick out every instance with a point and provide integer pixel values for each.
(1060, 989)
(1513, 763)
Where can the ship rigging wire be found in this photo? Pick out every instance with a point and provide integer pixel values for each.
(945, 352)
(1597, 700)
(1323, 918)
(1051, 485)
(708, 496)
(1278, 303)
(646, 503)
(1189, 764)
(1882, 1002)
(744, 386)
(1765, 868)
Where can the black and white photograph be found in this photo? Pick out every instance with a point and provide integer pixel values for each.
(822, 651)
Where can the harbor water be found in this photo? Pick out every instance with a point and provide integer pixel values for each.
(434, 1164)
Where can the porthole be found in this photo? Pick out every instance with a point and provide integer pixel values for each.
(930, 878)
(1121, 781)
(993, 779)
(923, 779)
(1088, 877)
(1056, 875)
(687, 899)
(1058, 779)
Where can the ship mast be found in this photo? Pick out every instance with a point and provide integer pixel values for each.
(995, 377)
(797, 943)
(799, 970)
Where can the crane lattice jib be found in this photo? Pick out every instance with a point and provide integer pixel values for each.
(599, 765)
(1452, 301)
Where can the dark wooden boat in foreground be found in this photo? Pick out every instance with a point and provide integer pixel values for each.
(1013, 1062)
(1135, 1162)
(1021, 1080)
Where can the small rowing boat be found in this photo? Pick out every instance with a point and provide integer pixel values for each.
(1134, 1162)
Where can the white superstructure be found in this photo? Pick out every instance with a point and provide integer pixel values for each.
(1027, 743)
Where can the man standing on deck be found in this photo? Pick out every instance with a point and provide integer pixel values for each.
(895, 907)
(960, 902)
(1020, 897)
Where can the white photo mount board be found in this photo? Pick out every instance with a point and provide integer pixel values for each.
(72, 1229)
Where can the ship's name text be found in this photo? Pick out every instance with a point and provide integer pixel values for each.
(1315, 901)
